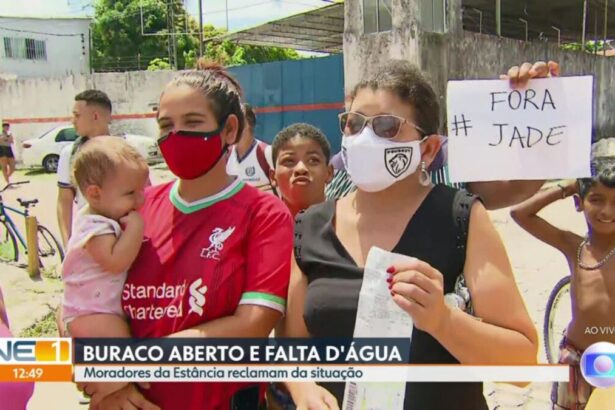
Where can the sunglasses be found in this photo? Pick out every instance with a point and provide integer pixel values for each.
(385, 126)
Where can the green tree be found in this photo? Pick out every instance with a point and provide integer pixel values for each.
(159, 64)
(591, 46)
(230, 54)
(123, 39)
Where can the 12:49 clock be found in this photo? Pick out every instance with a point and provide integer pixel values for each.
(32, 373)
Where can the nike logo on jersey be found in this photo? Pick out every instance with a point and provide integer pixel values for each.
(197, 297)
(216, 243)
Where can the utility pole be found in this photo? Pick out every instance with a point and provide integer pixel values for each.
(173, 36)
(498, 18)
(169, 29)
(524, 21)
(480, 20)
(226, 7)
(596, 33)
(200, 28)
(559, 35)
(584, 24)
(606, 20)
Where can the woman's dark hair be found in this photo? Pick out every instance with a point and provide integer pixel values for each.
(407, 82)
(219, 87)
(603, 171)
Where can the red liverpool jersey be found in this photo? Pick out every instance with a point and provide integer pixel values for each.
(198, 262)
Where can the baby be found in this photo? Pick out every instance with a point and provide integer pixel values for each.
(106, 237)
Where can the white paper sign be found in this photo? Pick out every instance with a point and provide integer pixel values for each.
(542, 131)
(378, 315)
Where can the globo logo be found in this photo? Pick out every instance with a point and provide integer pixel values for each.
(598, 364)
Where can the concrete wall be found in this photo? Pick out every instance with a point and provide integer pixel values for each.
(134, 92)
(282, 93)
(465, 55)
(35, 105)
(64, 46)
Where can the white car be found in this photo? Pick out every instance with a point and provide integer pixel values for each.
(44, 151)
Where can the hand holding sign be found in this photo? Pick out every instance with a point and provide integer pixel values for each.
(539, 131)
(519, 75)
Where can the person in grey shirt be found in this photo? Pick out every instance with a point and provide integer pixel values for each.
(7, 159)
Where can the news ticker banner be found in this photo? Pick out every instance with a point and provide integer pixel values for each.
(36, 359)
(262, 360)
(320, 373)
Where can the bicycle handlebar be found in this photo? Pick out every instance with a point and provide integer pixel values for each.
(13, 184)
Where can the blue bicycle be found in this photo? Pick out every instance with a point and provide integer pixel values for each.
(50, 251)
(558, 315)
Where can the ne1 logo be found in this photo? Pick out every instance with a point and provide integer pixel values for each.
(35, 350)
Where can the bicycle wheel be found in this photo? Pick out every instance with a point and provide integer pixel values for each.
(50, 251)
(557, 317)
(9, 252)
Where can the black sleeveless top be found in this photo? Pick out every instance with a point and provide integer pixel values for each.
(436, 234)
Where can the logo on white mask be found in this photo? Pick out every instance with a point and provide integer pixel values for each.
(375, 163)
(397, 160)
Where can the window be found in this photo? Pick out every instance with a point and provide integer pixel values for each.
(30, 49)
(433, 15)
(8, 52)
(25, 48)
(13, 47)
(377, 16)
(67, 134)
(40, 50)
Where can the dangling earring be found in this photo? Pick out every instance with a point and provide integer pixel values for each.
(424, 178)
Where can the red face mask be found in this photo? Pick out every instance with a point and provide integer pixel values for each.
(191, 154)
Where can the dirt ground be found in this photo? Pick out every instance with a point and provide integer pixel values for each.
(537, 268)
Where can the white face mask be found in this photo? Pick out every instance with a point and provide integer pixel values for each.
(374, 163)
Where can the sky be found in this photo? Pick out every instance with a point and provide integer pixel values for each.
(241, 13)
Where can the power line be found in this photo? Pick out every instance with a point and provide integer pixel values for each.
(124, 14)
(260, 3)
(315, 5)
(80, 6)
(42, 33)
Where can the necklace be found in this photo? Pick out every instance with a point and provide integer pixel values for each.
(596, 266)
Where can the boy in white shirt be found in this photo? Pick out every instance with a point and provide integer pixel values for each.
(250, 159)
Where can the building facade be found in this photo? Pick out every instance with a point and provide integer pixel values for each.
(44, 47)
(440, 38)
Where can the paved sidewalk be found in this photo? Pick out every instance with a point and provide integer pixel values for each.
(537, 268)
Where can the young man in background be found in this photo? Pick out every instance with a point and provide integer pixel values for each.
(91, 118)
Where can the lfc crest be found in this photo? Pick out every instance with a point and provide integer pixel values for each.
(216, 243)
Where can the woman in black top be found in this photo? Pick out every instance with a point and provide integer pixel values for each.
(389, 141)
